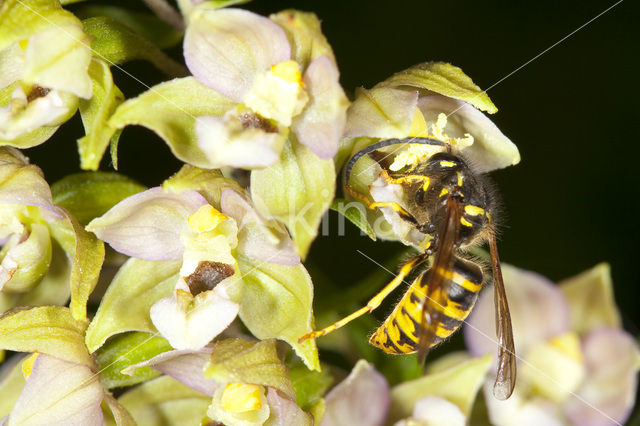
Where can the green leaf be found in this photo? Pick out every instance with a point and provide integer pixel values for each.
(89, 195)
(276, 302)
(95, 112)
(256, 363)
(124, 350)
(50, 330)
(147, 25)
(591, 301)
(165, 401)
(356, 213)
(125, 306)
(458, 384)
(116, 43)
(297, 190)
(310, 385)
(175, 105)
(11, 383)
(445, 79)
(86, 252)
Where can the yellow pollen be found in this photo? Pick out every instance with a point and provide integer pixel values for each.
(447, 163)
(240, 397)
(459, 178)
(288, 71)
(465, 222)
(418, 125)
(568, 344)
(23, 43)
(443, 192)
(473, 210)
(27, 364)
(206, 219)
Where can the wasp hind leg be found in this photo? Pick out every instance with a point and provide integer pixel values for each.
(374, 302)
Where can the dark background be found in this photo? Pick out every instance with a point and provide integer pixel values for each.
(573, 112)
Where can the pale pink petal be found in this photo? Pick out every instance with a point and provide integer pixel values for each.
(539, 311)
(609, 392)
(258, 238)
(491, 149)
(193, 326)
(186, 366)
(436, 410)
(148, 225)
(59, 393)
(321, 124)
(225, 48)
(362, 399)
(285, 412)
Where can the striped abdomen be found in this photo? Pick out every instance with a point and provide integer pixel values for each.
(399, 333)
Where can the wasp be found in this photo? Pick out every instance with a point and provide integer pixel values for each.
(454, 206)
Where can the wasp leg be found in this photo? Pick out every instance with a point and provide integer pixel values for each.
(376, 205)
(374, 302)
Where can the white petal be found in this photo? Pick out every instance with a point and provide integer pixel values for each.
(321, 124)
(539, 311)
(491, 149)
(381, 113)
(11, 64)
(148, 225)
(362, 399)
(435, 411)
(193, 329)
(226, 48)
(59, 393)
(225, 145)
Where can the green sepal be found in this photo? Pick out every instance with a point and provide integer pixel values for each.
(146, 25)
(86, 253)
(116, 43)
(12, 382)
(116, 414)
(125, 306)
(297, 190)
(165, 401)
(276, 302)
(175, 105)
(50, 330)
(35, 257)
(124, 350)
(310, 385)
(256, 363)
(590, 299)
(458, 384)
(95, 112)
(305, 36)
(354, 211)
(444, 79)
(89, 195)
(209, 183)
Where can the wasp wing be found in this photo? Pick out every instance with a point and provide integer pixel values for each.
(436, 298)
(506, 374)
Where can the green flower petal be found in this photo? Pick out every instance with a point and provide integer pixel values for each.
(45, 329)
(125, 306)
(591, 302)
(91, 194)
(86, 253)
(127, 349)
(116, 43)
(95, 112)
(256, 363)
(31, 257)
(165, 401)
(305, 36)
(175, 105)
(458, 384)
(442, 78)
(209, 183)
(276, 302)
(297, 190)
(121, 416)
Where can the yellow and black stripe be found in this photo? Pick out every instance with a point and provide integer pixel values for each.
(400, 332)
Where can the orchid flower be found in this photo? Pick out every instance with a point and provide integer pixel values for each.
(44, 62)
(281, 73)
(434, 100)
(577, 366)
